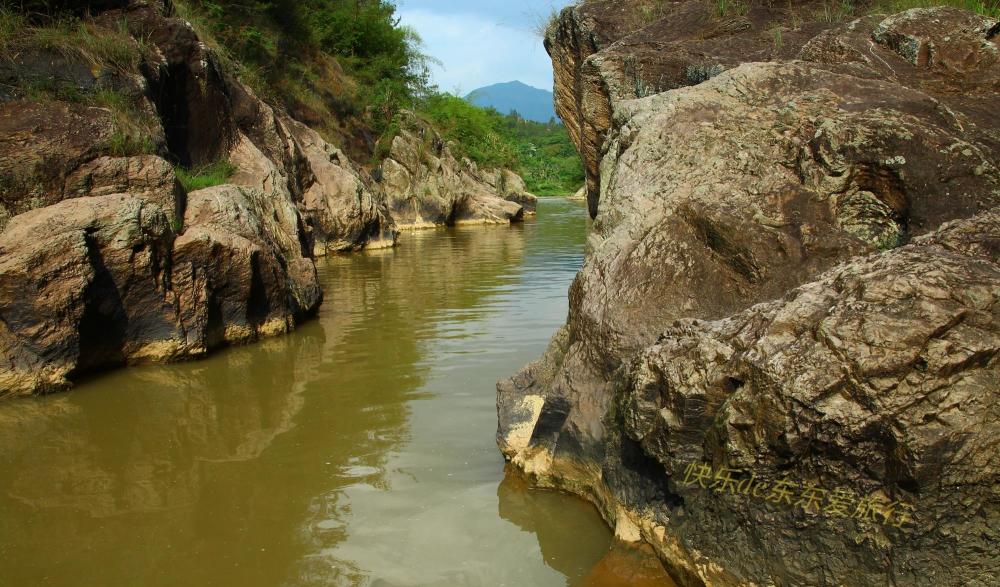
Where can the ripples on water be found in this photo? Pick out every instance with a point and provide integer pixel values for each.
(357, 451)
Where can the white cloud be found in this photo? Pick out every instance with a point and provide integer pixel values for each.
(477, 52)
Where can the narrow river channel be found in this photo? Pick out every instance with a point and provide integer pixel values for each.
(357, 451)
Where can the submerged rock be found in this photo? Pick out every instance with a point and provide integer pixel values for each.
(773, 288)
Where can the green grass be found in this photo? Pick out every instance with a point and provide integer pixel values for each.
(134, 127)
(725, 8)
(99, 47)
(207, 176)
(11, 26)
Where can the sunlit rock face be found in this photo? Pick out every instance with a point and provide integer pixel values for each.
(426, 186)
(792, 275)
(106, 261)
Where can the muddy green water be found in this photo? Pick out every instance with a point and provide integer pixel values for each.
(358, 451)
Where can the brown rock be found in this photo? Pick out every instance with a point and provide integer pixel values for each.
(94, 292)
(146, 176)
(239, 273)
(607, 51)
(40, 144)
(343, 213)
(512, 188)
(781, 181)
(425, 186)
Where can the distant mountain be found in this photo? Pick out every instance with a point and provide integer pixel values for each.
(531, 103)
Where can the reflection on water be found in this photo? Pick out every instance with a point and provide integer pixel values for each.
(358, 451)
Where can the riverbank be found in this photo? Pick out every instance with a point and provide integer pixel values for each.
(155, 207)
(357, 449)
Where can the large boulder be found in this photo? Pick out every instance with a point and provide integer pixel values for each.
(239, 270)
(512, 188)
(149, 177)
(732, 191)
(426, 186)
(84, 284)
(878, 382)
(607, 51)
(868, 394)
(341, 210)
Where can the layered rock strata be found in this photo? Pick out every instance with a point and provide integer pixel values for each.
(792, 281)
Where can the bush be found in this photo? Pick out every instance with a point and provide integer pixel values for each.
(276, 46)
(477, 133)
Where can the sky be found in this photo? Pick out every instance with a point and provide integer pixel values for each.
(482, 42)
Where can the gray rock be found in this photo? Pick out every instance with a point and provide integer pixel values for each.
(772, 286)
(425, 185)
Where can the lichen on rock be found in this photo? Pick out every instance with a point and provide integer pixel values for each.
(793, 272)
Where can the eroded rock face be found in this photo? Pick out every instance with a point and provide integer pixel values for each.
(608, 51)
(93, 292)
(41, 145)
(512, 188)
(105, 261)
(822, 185)
(341, 210)
(239, 270)
(146, 176)
(880, 377)
(425, 186)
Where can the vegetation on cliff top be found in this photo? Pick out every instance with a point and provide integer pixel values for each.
(280, 47)
(345, 67)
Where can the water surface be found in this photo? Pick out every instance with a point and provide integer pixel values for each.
(357, 451)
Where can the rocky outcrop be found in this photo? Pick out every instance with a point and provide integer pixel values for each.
(83, 284)
(239, 270)
(511, 187)
(123, 266)
(607, 51)
(338, 206)
(426, 186)
(822, 183)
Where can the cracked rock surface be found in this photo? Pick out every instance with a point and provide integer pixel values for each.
(792, 274)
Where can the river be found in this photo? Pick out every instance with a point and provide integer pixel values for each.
(357, 451)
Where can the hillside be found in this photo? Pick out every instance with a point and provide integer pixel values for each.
(169, 173)
(530, 103)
